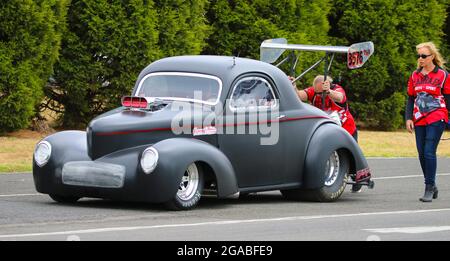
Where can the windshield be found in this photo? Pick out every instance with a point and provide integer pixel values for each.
(181, 86)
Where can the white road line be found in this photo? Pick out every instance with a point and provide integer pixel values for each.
(21, 195)
(389, 158)
(375, 178)
(409, 230)
(408, 176)
(229, 222)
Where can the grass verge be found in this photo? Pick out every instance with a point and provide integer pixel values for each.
(396, 144)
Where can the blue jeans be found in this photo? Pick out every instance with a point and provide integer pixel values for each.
(427, 140)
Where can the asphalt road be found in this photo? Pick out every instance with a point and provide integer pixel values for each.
(391, 211)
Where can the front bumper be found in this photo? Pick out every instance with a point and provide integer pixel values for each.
(117, 176)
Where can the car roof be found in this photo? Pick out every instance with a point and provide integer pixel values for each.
(209, 64)
(227, 68)
(223, 67)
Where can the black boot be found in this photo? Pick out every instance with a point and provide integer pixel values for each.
(435, 192)
(356, 188)
(429, 193)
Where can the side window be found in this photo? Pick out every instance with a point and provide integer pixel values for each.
(252, 92)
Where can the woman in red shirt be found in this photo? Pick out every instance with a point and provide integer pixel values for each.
(427, 111)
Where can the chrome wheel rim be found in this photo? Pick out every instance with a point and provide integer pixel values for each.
(189, 183)
(332, 169)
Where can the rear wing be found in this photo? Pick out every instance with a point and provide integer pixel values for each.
(357, 54)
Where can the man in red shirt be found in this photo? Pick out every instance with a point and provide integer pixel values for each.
(335, 102)
(427, 111)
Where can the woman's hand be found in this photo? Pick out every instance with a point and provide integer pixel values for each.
(410, 126)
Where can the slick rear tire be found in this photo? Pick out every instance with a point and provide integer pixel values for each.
(336, 172)
(190, 189)
(64, 199)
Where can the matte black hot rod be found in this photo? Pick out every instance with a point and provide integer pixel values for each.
(196, 124)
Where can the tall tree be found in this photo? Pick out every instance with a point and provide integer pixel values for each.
(182, 26)
(30, 36)
(447, 27)
(239, 26)
(106, 45)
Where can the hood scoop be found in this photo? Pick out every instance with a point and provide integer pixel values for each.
(143, 103)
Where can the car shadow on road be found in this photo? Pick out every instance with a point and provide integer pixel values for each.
(95, 203)
(207, 202)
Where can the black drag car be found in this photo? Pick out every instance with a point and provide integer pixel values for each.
(202, 124)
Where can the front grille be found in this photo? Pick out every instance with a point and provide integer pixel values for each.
(93, 174)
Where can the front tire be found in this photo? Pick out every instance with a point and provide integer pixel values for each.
(336, 172)
(64, 199)
(190, 189)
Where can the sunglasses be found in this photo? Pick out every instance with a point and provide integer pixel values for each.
(423, 56)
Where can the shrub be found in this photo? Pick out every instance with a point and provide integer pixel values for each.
(30, 35)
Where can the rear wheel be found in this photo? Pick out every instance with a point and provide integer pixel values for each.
(189, 190)
(64, 199)
(336, 173)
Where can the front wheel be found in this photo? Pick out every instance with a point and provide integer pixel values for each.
(64, 199)
(189, 190)
(336, 172)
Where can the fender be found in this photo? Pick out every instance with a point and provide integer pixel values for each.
(66, 146)
(175, 155)
(326, 139)
(159, 186)
(187, 151)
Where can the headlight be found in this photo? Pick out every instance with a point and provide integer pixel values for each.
(42, 153)
(149, 160)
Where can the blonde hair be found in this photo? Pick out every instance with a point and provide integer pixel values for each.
(321, 78)
(438, 59)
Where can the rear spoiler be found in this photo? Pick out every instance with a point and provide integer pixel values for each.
(357, 54)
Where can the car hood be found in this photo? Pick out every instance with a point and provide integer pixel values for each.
(125, 128)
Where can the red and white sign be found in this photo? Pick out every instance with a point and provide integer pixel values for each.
(209, 130)
(358, 54)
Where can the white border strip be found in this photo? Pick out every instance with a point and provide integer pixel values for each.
(20, 195)
(409, 230)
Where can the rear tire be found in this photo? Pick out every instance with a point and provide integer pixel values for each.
(64, 199)
(246, 195)
(190, 189)
(336, 172)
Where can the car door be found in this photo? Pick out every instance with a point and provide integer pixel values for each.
(251, 136)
